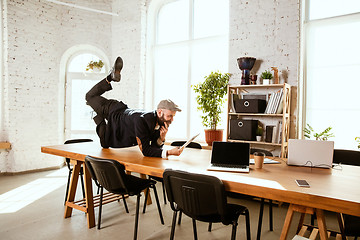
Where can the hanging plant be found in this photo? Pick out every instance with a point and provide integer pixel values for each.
(95, 65)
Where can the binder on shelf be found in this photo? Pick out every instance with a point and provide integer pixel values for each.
(269, 133)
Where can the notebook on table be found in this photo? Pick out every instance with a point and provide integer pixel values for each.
(230, 157)
(310, 153)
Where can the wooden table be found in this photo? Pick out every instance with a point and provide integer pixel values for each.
(332, 190)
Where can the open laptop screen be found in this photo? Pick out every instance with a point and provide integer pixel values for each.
(235, 153)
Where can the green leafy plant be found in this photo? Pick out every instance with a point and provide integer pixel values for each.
(266, 75)
(357, 139)
(324, 135)
(211, 96)
(259, 131)
(91, 65)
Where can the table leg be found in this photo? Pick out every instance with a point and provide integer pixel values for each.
(89, 198)
(287, 223)
(72, 188)
(321, 224)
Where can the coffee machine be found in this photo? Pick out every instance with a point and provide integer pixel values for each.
(245, 65)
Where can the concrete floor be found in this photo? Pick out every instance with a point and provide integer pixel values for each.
(42, 217)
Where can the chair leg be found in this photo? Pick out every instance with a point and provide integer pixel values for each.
(146, 197)
(67, 186)
(163, 187)
(100, 207)
(260, 219)
(233, 232)
(137, 216)
(173, 224)
(126, 208)
(271, 227)
(194, 229)
(247, 219)
(179, 221)
(158, 204)
(209, 228)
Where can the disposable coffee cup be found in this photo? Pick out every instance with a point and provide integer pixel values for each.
(259, 159)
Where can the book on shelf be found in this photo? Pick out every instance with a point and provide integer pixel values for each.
(278, 101)
(279, 134)
(233, 97)
(270, 101)
(281, 105)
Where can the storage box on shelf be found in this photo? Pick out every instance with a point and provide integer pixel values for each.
(277, 113)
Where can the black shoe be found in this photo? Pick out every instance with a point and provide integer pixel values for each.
(115, 71)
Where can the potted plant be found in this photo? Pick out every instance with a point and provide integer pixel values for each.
(357, 139)
(95, 66)
(324, 135)
(210, 97)
(259, 132)
(266, 77)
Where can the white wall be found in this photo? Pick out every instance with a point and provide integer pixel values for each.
(37, 33)
(270, 32)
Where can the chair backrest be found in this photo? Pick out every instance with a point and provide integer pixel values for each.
(349, 157)
(266, 152)
(195, 195)
(75, 141)
(109, 173)
(191, 145)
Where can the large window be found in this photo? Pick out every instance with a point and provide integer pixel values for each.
(78, 115)
(190, 39)
(332, 30)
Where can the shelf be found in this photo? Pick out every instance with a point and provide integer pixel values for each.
(258, 86)
(255, 142)
(256, 114)
(5, 145)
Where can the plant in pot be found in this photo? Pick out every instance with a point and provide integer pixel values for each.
(266, 77)
(324, 135)
(259, 132)
(210, 98)
(95, 66)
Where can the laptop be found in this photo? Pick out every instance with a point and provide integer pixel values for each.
(310, 153)
(230, 157)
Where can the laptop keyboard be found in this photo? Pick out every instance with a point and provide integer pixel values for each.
(229, 166)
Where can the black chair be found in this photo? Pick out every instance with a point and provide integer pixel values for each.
(70, 167)
(269, 154)
(110, 174)
(178, 144)
(190, 194)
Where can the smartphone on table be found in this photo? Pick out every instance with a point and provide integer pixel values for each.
(302, 183)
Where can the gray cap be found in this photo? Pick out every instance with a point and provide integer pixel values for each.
(169, 105)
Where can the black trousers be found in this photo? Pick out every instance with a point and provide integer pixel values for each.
(101, 106)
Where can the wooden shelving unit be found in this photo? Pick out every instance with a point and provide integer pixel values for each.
(265, 119)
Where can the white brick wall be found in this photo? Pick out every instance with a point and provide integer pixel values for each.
(37, 33)
(268, 31)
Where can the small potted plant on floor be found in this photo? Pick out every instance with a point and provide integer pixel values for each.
(95, 66)
(266, 77)
(210, 98)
